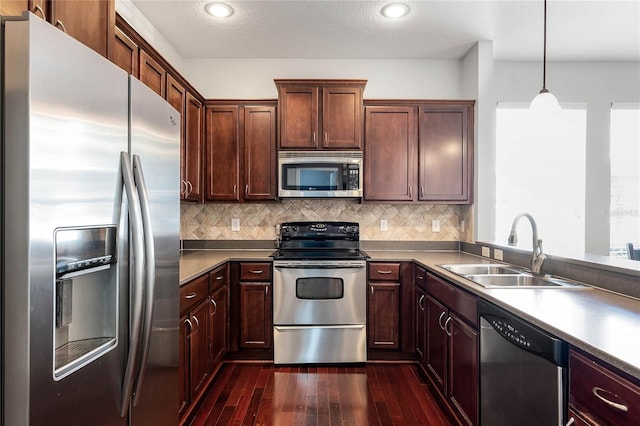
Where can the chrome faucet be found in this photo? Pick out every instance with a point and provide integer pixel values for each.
(537, 257)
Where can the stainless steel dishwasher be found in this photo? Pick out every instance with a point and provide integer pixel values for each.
(523, 371)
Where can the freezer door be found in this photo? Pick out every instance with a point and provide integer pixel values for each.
(155, 141)
(66, 124)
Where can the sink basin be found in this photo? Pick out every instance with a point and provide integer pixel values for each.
(520, 281)
(498, 275)
(482, 269)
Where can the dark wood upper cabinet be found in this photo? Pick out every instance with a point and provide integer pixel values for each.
(241, 151)
(92, 22)
(152, 73)
(193, 149)
(222, 152)
(391, 147)
(419, 151)
(125, 52)
(260, 168)
(446, 161)
(320, 114)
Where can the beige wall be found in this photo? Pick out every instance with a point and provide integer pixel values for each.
(257, 221)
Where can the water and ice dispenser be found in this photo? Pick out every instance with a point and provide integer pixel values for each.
(85, 298)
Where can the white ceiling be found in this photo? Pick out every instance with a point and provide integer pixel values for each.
(580, 30)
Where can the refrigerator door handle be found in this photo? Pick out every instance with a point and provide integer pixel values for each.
(137, 236)
(150, 281)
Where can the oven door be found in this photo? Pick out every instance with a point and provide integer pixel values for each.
(319, 293)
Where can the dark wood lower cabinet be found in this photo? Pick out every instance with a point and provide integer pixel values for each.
(256, 325)
(384, 309)
(452, 348)
(198, 348)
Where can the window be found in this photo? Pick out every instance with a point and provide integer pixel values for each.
(624, 217)
(540, 169)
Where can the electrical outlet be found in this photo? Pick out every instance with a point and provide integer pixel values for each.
(497, 254)
(462, 225)
(235, 224)
(435, 226)
(486, 251)
(384, 225)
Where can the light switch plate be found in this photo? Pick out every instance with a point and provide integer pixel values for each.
(384, 225)
(435, 226)
(486, 251)
(235, 224)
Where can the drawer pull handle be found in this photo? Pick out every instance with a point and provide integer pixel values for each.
(384, 272)
(420, 277)
(571, 421)
(191, 295)
(596, 391)
(219, 277)
(256, 271)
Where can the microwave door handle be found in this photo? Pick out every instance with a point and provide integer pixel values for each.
(150, 270)
(137, 240)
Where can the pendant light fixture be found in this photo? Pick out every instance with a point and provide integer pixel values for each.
(545, 101)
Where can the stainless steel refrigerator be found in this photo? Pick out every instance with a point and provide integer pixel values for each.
(90, 229)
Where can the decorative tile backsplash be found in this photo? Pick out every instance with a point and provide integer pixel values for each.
(406, 222)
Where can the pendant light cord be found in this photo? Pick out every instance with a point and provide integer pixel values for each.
(544, 52)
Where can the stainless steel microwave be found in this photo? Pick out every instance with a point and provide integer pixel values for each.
(321, 174)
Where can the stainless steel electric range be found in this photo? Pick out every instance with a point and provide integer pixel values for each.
(319, 294)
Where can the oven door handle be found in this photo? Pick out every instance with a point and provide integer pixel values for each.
(307, 327)
(320, 266)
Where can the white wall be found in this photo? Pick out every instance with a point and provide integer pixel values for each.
(597, 84)
(253, 78)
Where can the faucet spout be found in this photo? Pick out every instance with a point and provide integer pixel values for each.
(537, 256)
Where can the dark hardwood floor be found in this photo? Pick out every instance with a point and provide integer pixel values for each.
(264, 394)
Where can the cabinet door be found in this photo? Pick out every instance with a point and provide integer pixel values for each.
(391, 138)
(222, 153)
(299, 124)
(436, 342)
(16, 7)
(176, 96)
(445, 163)
(463, 370)
(255, 315)
(125, 52)
(219, 300)
(341, 117)
(260, 168)
(193, 154)
(198, 347)
(91, 22)
(152, 73)
(421, 324)
(384, 309)
(183, 366)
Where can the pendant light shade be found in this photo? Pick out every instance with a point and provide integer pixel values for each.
(545, 101)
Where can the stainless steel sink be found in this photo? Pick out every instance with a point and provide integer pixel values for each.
(500, 275)
(520, 281)
(482, 269)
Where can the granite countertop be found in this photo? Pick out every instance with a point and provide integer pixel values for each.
(597, 321)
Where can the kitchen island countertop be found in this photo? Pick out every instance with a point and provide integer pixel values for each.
(597, 321)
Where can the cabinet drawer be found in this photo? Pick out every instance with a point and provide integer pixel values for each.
(193, 292)
(219, 277)
(384, 271)
(458, 300)
(255, 271)
(420, 277)
(602, 394)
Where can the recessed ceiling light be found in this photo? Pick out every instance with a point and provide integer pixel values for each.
(395, 10)
(219, 10)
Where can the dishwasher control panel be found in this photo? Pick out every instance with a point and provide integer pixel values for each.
(510, 332)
